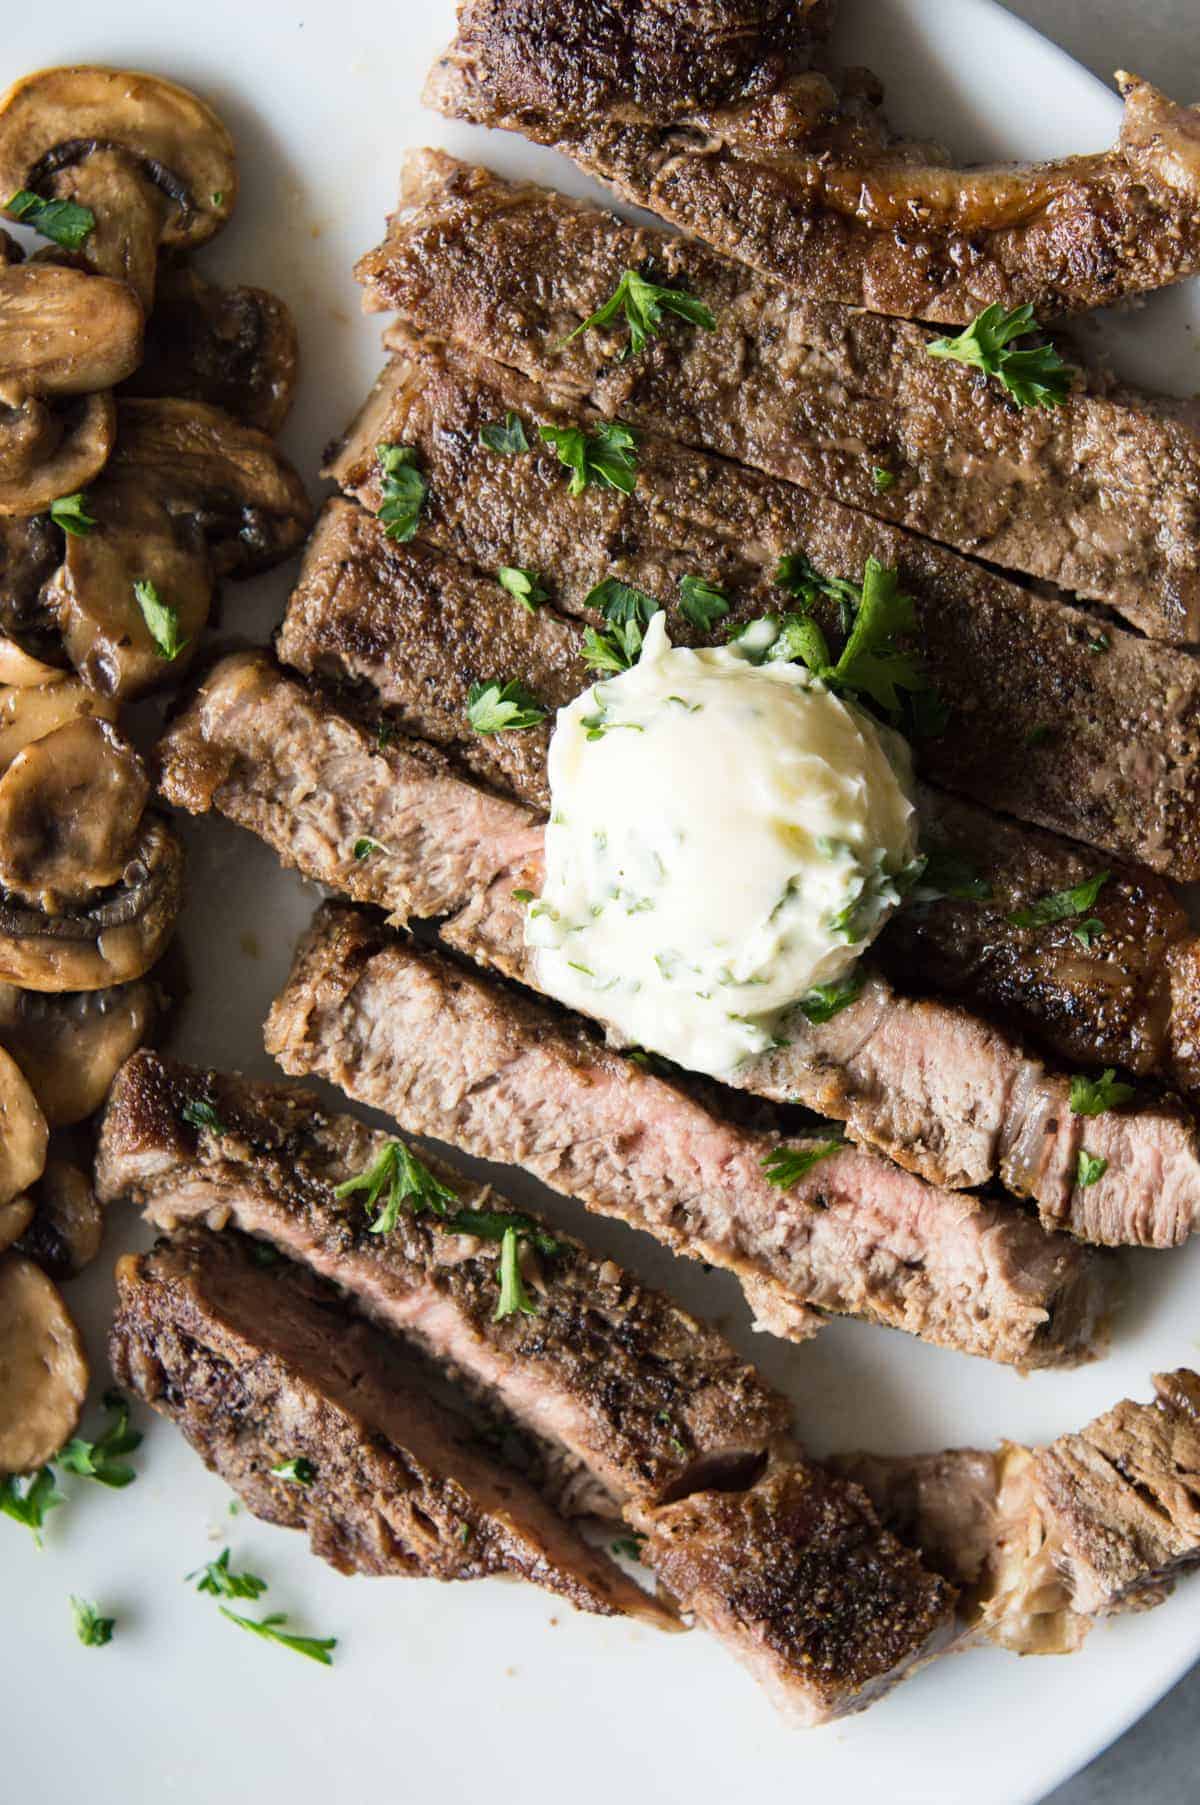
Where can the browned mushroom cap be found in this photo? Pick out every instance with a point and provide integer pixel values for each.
(243, 494)
(43, 1368)
(15, 1217)
(29, 714)
(151, 161)
(69, 1046)
(65, 332)
(70, 805)
(110, 941)
(30, 553)
(235, 348)
(47, 452)
(23, 1132)
(68, 1224)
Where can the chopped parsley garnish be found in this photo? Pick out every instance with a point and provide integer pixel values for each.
(493, 1225)
(198, 1112)
(1090, 1169)
(298, 1470)
(514, 1297)
(630, 1546)
(1087, 930)
(870, 663)
(882, 480)
(162, 621)
(403, 491)
(644, 304)
(525, 586)
(316, 1648)
(216, 1579)
(101, 1460)
(92, 1629)
(786, 1166)
(701, 603)
(522, 896)
(364, 847)
(950, 874)
(1061, 905)
(497, 707)
(824, 1001)
(505, 436)
(66, 222)
(29, 1501)
(607, 456)
(628, 612)
(70, 513)
(1096, 1096)
(395, 1180)
(1037, 376)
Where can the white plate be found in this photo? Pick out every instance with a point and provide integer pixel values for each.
(496, 1691)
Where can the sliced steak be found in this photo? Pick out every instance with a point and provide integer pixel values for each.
(1045, 1540)
(1100, 496)
(806, 184)
(259, 1365)
(932, 1086)
(508, 1079)
(838, 1610)
(1086, 730)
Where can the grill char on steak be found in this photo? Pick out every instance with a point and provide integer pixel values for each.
(399, 634)
(1099, 496)
(939, 1091)
(784, 1563)
(1045, 1540)
(806, 183)
(508, 1079)
(258, 1365)
(1100, 746)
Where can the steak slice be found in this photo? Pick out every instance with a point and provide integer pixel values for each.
(1046, 1540)
(1045, 707)
(1100, 496)
(806, 184)
(399, 634)
(449, 1055)
(840, 1610)
(261, 1365)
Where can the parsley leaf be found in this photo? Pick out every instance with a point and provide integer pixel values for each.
(70, 513)
(644, 304)
(66, 222)
(870, 663)
(406, 1181)
(799, 576)
(271, 1630)
(786, 1166)
(514, 1296)
(948, 873)
(882, 480)
(824, 1001)
(92, 1629)
(497, 707)
(403, 489)
(1061, 905)
(628, 612)
(493, 1225)
(607, 456)
(506, 437)
(1038, 376)
(298, 1471)
(525, 586)
(29, 1506)
(630, 1546)
(364, 847)
(198, 1112)
(701, 603)
(219, 1582)
(1090, 1169)
(1096, 1096)
(1088, 930)
(162, 621)
(100, 1460)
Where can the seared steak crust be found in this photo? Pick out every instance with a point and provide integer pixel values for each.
(1102, 744)
(1100, 496)
(806, 186)
(508, 1079)
(259, 1365)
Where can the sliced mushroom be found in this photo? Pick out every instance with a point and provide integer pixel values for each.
(66, 332)
(70, 805)
(15, 1217)
(29, 714)
(113, 940)
(68, 1224)
(137, 540)
(152, 162)
(82, 434)
(233, 481)
(70, 1045)
(30, 553)
(43, 1368)
(235, 348)
(23, 1132)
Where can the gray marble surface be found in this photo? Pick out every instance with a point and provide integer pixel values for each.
(1157, 1762)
